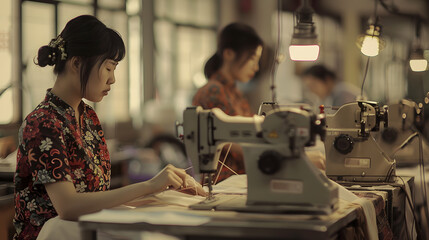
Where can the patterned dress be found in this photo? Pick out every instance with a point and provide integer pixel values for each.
(52, 149)
(222, 93)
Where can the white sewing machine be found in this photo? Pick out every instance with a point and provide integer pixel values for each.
(280, 177)
(400, 139)
(352, 154)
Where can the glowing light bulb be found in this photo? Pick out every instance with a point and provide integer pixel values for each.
(304, 52)
(418, 65)
(370, 46)
(371, 43)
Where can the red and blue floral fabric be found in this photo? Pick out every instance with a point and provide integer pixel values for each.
(53, 148)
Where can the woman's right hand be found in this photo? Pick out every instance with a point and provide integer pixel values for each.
(168, 178)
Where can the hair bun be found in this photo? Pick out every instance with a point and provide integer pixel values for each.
(47, 56)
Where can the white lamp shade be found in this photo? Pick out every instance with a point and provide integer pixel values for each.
(304, 52)
(418, 65)
(370, 46)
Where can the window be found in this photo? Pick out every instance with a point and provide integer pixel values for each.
(38, 28)
(185, 37)
(6, 49)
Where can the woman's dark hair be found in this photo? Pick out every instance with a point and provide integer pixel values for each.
(320, 72)
(241, 38)
(85, 37)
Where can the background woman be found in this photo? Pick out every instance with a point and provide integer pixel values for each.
(236, 60)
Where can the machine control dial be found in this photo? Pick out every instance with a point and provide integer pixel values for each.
(269, 162)
(343, 143)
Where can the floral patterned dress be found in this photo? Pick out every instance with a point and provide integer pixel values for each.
(52, 148)
(222, 93)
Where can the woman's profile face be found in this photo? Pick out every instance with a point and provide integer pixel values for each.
(100, 79)
(244, 71)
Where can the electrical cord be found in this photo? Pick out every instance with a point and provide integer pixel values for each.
(364, 77)
(410, 203)
(423, 176)
(276, 52)
(405, 142)
(389, 173)
(367, 61)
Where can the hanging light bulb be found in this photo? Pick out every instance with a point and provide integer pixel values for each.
(371, 43)
(304, 45)
(417, 61)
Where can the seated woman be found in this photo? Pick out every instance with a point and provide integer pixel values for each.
(63, 164)
(236, 59)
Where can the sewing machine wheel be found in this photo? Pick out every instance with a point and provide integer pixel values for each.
(389, 135)
(269, 162)
(343, 143)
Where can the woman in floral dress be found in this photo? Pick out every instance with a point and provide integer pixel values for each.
(236, 60)
(63, 165)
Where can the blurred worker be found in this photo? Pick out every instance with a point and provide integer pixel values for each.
(63, 164)
(325, 89)
(236, 59)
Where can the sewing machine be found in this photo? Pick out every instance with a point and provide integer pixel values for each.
(400, 139)
(352, 154)
(266, 107)
(280, 177)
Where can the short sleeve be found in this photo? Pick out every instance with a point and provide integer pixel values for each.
(211, 96)
(46, 151)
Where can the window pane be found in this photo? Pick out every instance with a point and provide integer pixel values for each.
(133, 7)
(195, 12)
(194, 47)
(161, 7)
(111, 3)
(205, 12)
(164, 32)
(68, 11)
(6, 62)
(38, 30)
(135, 61)
(79, 1)
(114, 108)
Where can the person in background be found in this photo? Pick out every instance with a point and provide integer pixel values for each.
(63, 164)
(236, 60)
(326, 89)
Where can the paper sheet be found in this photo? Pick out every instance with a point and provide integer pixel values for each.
(236, 184)
(169, 197)
(152, 217)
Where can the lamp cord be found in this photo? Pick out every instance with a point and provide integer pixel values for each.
(364, 77)
(276, 53)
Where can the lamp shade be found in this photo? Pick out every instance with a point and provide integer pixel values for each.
(418, 63)
(304, 45)
(304, 52)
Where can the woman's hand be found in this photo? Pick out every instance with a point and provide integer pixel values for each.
(175, 178)
(168, 178)
(193, 187)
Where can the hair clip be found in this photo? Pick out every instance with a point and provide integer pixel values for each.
(58, 43)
